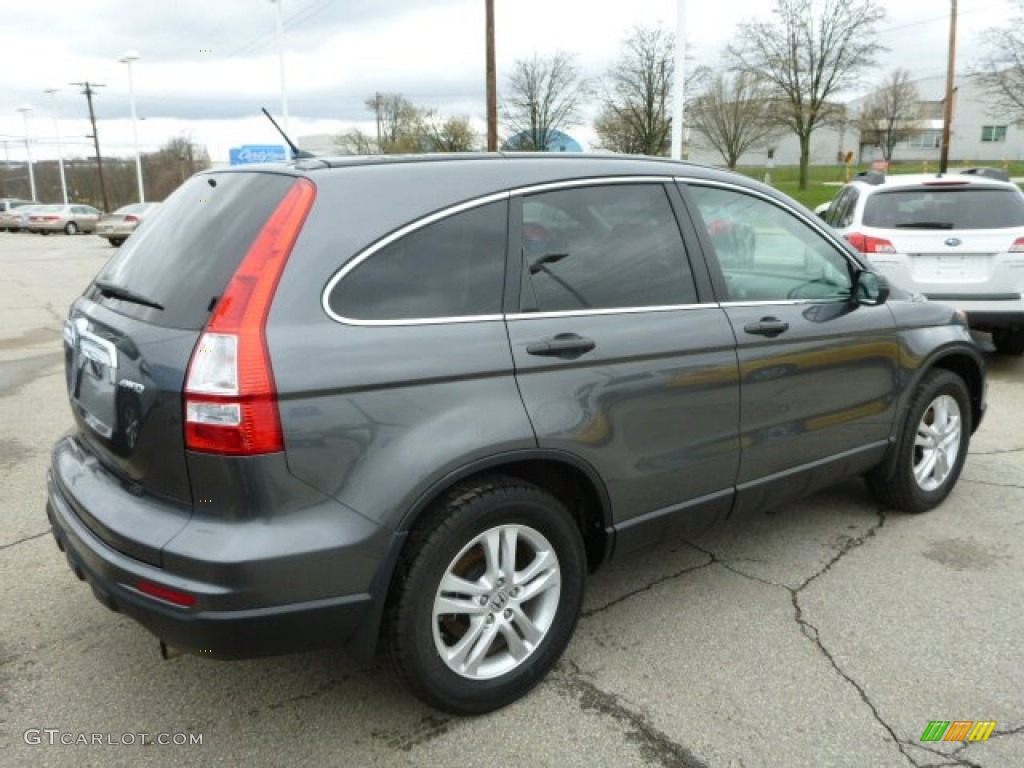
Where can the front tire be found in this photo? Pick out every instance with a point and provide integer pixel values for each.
(925, 463)
(486, 595)
(70, 228)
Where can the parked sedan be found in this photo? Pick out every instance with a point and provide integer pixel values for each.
(15, 219)
(118, 225)
(70, 219)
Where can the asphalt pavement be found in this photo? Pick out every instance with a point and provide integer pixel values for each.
(830, 632)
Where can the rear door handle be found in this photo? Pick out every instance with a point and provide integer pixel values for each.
(767, 326)
(563, 345)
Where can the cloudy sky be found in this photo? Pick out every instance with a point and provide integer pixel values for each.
(208, 65)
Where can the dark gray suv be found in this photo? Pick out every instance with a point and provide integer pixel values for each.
(416, 400)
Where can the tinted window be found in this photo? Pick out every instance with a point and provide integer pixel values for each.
(603, 248)
(949, 208)
(184, 258)
(767, 253)
(454, 267)
(840, 214)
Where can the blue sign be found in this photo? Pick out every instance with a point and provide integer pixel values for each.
(257, 153)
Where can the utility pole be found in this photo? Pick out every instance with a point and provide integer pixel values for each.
(88, 92)
(492, 88)
(947, 118)
(679, 77)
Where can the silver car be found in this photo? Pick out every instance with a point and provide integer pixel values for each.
(118, 225)
(69, 219)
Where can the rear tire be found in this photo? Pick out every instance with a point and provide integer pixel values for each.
(486, 595)
(1009, 342)
(115, 241)
(924, 464)
(70, 228)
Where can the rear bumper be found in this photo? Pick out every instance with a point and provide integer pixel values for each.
(233, 616)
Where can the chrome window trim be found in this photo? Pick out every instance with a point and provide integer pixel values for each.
(444, 213)
(607, 311)
(551, 186)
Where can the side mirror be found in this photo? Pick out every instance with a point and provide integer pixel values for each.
(871, 288)
(822, 210)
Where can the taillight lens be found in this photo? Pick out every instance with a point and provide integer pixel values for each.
(166, 593)
(129, 217)
(230, 396)
(868, 244)
(1018, 245)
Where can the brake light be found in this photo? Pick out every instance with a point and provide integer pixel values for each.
(130, 217)
(944, 183)
(1018, 245)
(868, 244)
(230, 396)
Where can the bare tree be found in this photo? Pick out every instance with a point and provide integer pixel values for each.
(735, 114)
(1002, 69)
(890, 114)
(399, 122)
(635, 117)
(544, 94)
(449, 134)
(811, 51)
(355, 141)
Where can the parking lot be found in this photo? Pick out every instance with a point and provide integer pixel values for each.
(826, 633)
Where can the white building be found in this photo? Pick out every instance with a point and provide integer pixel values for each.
(980, 133)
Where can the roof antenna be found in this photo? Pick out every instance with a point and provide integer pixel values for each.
(297, 154)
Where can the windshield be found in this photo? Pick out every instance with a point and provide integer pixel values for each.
(949, 208)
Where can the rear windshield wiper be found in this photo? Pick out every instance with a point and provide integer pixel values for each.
(125, 294)
(926, 225)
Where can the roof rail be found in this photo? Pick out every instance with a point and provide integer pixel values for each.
(989, 173)
(871, 177)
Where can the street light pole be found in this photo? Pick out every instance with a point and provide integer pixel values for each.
(60, 152)
(127, 58)
(25, 109)
(280, 57)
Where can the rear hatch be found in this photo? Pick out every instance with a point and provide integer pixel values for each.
(129, 338)
(951, 239)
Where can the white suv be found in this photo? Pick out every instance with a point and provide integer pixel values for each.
(957, 238)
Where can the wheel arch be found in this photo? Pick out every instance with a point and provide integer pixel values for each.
(970, 367)
(574, 482)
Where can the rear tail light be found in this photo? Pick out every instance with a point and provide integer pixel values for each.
(230, 396)
(868, 244)
(129, 217)
(1018, 245)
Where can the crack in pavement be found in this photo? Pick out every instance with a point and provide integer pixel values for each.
(997, 453)
(811, 632)
(653, 743)
(23, 540)
(994, 485)
(646, 588)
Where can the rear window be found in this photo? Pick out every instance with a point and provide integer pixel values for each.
(183, 258)
(949, 208)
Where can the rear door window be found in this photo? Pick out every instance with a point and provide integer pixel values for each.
(603, 247)
(183, 259)
(945, 208)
